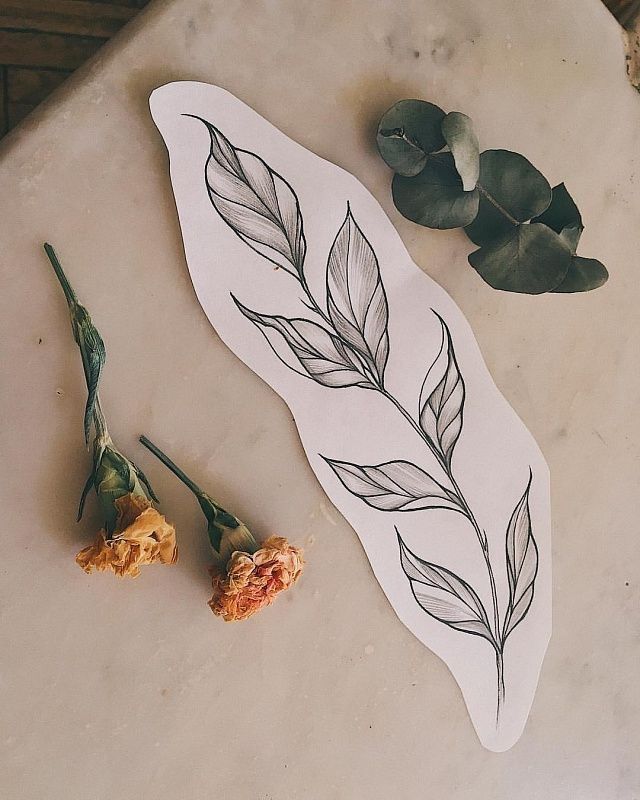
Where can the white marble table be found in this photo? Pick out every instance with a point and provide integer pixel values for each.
(133, 690)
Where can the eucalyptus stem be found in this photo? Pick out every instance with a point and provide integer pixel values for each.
(172, 466)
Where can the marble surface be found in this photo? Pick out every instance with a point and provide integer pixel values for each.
(130, 690)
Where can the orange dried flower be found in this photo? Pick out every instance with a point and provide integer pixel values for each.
(252, 580)
(246, 576)
(142, 536)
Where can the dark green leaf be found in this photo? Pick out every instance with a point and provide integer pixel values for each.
(407, 133)
(563, 216)
(215, 535)
(435, 198)
(458, 132)
(511, 190)
(85, 491)
(529, 258)
(584, 274)
(143, 478)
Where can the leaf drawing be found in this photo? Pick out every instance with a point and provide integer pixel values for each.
(256, 203)
(321, 354)
(441, 406)
(445, 596)
(394, 486)
(347, 345)
(356, 300)
(522, 563)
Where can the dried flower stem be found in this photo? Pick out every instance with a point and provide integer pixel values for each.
(171, 465)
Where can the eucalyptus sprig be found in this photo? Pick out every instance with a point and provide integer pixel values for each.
(134, 533)
(527, 232)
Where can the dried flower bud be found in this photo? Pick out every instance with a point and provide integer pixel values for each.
(246, 576)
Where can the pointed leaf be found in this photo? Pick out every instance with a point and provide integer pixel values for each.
(256, 202)
(583, 275)
(356, 299)
(510, 187)
(435, 197)
(563, 216)
(528, 258)
(143, 478)
(522, 563)
(321, 354)
(442, 398)
(458, 131)
(83, 497)
(407, 133)
(394, 486)
(445, 596)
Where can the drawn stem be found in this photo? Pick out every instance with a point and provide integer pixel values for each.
(438, 456)
(480, 534)
(500, 671)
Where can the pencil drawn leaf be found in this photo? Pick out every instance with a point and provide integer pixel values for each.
(321, 354)
(522, 563)
(348, 346)
(256, 203)
(394, 486)
(445, 596)
(442, 398)
(356, 300)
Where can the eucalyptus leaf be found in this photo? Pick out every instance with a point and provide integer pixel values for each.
(583, 275)
(563, 216)
(531, 259)
(458, 132)
(408, 132)
(511, 190)
(435, 198)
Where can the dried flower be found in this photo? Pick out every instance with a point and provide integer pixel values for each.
(252, 581)
(134, 533)
(142, 536)
(246, 577)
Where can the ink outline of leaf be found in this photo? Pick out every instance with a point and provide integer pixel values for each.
(442, 579)
(230, 165)
(388, 477)
(289, 329)
(520, 556)
(356, 299)
(453, 384)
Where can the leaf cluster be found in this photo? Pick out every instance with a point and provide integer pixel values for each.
(527, 233)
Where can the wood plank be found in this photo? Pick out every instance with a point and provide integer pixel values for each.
(17, 112)
(64, 16)
(128, 3)
(625, 11)
(46, 49)
(4, 122)
(32, 86)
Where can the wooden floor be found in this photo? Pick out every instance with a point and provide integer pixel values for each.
(43, 41)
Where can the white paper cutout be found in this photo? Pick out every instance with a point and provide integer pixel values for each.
(396, 410)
